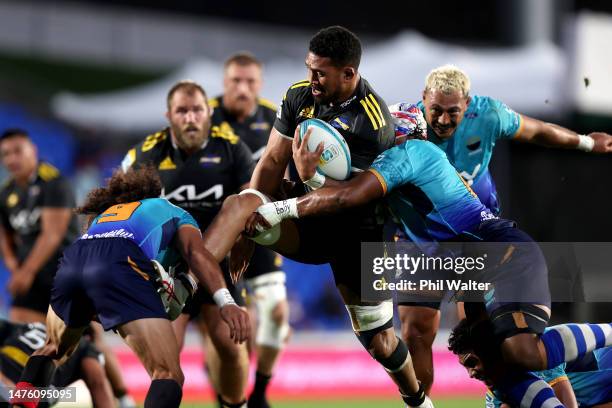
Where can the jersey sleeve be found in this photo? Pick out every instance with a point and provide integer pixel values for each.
(554, 375)
(509, 121)
(243, 163)
(183, 217)
(286, 116)
(143, 152)
(57, 193)
(393, 168)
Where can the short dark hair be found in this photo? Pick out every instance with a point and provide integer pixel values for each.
(186, 85)
(475, 337)
(14, 132)
(242, 58)
(338, 44)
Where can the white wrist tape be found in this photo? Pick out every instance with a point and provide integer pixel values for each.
(317, 181)
(223, 297)
(585, 143)
(277, 211)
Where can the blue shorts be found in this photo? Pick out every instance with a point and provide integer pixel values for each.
(110, 278)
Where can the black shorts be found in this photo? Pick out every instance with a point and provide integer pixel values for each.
(39, 295)
(262, 262)
(110, 278)
(70, 371)
(337, 240)
(203, 297)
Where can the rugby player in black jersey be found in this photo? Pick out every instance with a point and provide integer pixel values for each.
(240, 110)
(19, 341)
(336, 93)
(199, 167)
(37, 224)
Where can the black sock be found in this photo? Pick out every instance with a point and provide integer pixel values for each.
(38, 371)
(416, 399)
(261, 383)
(164, 393)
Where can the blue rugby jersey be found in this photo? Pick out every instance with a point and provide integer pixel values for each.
(151, 224)
(470, 148)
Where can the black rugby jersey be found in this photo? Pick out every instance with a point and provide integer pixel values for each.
(20, 209)
(199, 182)
(17, 342)
(254, 130)
(363, 119)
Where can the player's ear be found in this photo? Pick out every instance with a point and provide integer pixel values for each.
(349, 73)
(168, 115)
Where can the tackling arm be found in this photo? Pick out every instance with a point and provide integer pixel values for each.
(552, 135)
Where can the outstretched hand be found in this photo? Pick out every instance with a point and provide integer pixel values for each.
(238, 321)
(306, 162)
(603, 142)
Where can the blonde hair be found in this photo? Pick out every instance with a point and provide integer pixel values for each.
(448, 79)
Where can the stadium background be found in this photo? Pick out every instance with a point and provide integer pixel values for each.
(88, 79)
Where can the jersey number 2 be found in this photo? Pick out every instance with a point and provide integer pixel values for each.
(119, 212)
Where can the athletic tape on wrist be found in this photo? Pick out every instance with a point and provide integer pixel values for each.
(585, 143)
(317, 181)
(223, 297)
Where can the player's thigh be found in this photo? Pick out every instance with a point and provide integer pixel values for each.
(60, 337)
(154, 343)
(419, 320)
(219, 333)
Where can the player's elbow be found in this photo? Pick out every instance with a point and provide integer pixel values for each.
(347, 198)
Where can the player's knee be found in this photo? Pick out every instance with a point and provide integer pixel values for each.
(165, 373)
(419, 325)
(272, 309)
(373, 326)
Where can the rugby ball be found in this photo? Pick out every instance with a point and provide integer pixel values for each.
(335, 161)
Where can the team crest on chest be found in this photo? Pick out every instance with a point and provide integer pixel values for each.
(307, 112)
(12, 200)
(167, 164)
(473, 143)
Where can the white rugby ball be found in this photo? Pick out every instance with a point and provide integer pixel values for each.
(335, 161)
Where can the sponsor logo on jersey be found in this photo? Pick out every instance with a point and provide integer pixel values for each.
(260, 126)
(471, 115)
(469, 178)
(12, 200)
(307, 112)
(25, 220)
(486, 215)
(189, 193)
(119, 233)
(347, 102)
(210, 160)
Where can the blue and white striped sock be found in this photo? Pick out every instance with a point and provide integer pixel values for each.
(567, 342)
(529, 391)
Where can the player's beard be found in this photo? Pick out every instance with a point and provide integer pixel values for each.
(191, 137)
(242, 105)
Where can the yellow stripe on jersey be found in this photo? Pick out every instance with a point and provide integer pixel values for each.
(373, 109)
(213, 103)
(300, 84)
(266, 103)
(384, 123)
(15, 354)
(381, 180)
(365, 107)
(47, 172)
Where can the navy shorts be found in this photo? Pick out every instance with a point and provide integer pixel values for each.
(110, 278)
